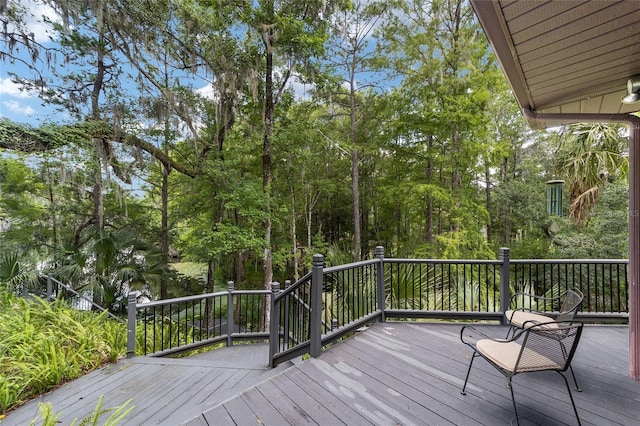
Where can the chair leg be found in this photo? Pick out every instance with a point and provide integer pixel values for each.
(575, 410)
(513, 399)
(464, 386)
(574, 379)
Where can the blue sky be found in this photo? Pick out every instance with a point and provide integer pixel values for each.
(25, 107)
(17, 105)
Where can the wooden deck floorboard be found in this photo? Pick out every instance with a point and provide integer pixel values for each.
(391, 374)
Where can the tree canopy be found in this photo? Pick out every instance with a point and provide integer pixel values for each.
(249, 136)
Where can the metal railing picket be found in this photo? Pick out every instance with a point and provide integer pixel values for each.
(330, 303)
(454, 289)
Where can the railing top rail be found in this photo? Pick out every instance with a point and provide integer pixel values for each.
(70, 289)
(346, 266)
(259, 291)
(445, 261)
(283, 292)
(180, 299)
(570, 261)
(198, 297)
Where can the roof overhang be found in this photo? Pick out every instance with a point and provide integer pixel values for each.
(569, 61)
(564, 59)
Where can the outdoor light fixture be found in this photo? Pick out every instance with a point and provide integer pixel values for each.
(633, 89)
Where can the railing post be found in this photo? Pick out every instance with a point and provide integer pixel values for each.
(274, 323)
(131, 325)
(287, 316)
(380, 282)
(505, 291)
(316, 306)
(230, 286)
(49, 288)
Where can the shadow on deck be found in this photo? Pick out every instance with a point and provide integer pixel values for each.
(391, 374)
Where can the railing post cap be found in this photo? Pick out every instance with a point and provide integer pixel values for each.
(379, 251)
(275, 286)
(318, 259)
(504, 252)
(230, 285)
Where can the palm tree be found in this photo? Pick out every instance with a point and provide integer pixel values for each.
(112, 264)
(14, 274)
(589, 156)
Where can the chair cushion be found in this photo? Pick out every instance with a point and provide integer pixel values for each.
(518, 318)
(505, 355)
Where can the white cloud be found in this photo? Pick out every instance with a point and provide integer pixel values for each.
(34, 22)
(17, 108)
(300, 89)
(207, 92)
(8, 87)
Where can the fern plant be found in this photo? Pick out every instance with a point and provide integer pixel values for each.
(48, 417)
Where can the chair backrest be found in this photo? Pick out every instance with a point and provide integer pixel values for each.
(548, 346)
(571, 304)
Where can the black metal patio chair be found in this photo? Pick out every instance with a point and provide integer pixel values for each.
(547, 346)
(563, 307)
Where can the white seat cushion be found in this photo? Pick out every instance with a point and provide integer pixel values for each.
(505, 355)
(518, 318)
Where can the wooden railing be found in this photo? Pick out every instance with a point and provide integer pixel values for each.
(171, 326)
(330, 303)
(50, 288)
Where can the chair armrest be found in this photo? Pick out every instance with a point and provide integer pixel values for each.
(469, 335)
(536, 297)
(513, 301)
(550, 326)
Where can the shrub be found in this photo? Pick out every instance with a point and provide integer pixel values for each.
(43, 345)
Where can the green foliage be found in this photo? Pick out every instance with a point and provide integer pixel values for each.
(115, 263)
(180, 325)
(604, 234)
(435, 287)
(533, 247)
(47, 416)
(446, 166)
(588, 157)
(45, 344)
(10, 271)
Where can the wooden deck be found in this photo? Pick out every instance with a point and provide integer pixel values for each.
(390, 374)
(163, 390)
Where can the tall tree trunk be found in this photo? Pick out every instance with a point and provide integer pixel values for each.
(54, 219)
(164, 196)
(487, 191)
(429, 207)
(506, 233)
(164, 231)
(98, 202)
(294, 235)
(267, 177)
(309, 218)
(209, 288)
(355, 169)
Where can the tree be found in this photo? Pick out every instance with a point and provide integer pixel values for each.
(350, 55)
(588, 157)
(446, 73)
(291, 34)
